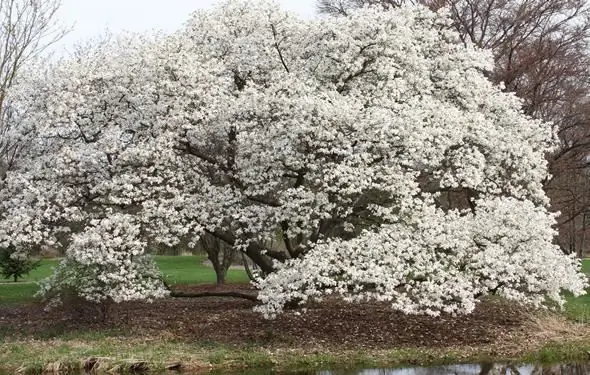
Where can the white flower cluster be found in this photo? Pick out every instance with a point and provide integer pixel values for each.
(435, 262)
(107, 261)
(373, 146)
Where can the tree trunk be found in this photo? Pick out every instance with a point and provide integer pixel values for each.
(213, 256)
(215, 249)
(254, 251)
(220, 276)
(15, 278)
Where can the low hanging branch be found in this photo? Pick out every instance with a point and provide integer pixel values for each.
(247, 296)
(179, 294)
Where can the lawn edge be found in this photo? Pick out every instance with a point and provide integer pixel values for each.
(223, 358)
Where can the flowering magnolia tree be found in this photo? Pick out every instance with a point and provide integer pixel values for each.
(372, 146)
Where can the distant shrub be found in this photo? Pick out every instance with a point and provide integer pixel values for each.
(15, 264)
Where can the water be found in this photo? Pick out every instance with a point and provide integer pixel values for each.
(468, 369)
(465, 369)
(472, 369)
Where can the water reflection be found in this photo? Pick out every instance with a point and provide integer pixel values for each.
(486, 369)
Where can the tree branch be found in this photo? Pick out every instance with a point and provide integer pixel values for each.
(249, 297)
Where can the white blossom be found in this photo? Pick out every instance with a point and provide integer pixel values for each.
(372, 145)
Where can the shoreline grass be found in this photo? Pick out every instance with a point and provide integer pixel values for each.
(117, 355)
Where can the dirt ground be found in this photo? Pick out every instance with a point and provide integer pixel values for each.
(331, 324)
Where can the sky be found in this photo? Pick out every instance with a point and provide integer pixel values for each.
(90, 18)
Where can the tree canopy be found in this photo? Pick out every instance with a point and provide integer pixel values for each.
(540, 51)
(373, 146)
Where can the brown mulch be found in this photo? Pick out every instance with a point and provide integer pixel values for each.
(331, 324)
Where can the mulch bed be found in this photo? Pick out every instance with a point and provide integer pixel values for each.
(331, 324)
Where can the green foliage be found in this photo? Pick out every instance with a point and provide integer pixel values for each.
(15, 266)
(44, 270)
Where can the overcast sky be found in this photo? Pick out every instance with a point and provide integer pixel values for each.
(92, 17)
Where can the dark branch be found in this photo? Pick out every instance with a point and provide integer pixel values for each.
(249, 297)
(276, 44)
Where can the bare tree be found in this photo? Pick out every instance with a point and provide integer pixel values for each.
(541, 52)
(27, 29)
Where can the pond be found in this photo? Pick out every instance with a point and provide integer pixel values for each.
(467, 369)
(472, 369)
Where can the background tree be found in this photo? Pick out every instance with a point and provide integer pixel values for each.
(15, 264)
(27, 29)
(541, 53)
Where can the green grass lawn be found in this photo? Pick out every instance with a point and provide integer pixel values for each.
(176, 270)
(190, 270)
(578, 308)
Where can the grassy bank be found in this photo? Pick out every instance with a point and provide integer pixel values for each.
(121, 355)
(176, 270)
